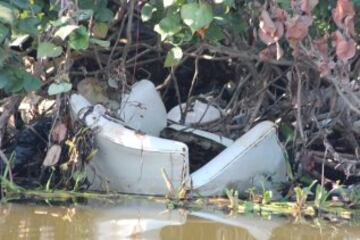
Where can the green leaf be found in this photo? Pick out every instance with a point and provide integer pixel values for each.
(4, 80)
(29, 25)
(100, 30)
(104, 15)
(48, 49)
(102, 43)
(57, 88)
(61, 21)
(168, 3)
(24, 80)
(84, 14)
(7, 13)
(79, 39)
(23, 4)
(147, 12)
(31, 83)
(214, 34)
(15, 85)
(196, 15)
(227, 3)
(14, 79)
(173, 57)
(168, 26)
(65, 31)
(87, 4)
(2, 58)
(4, 32)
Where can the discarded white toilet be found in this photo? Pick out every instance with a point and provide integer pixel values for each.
(130, 161)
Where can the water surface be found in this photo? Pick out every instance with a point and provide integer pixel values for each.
(141, 219)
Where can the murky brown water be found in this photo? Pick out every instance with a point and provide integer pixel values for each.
(139, 219)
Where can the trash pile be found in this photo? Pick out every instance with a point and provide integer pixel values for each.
(138, 153)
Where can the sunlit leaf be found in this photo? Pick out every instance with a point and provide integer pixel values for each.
(79, 39)
(57, 88)
(100, 30)
(173, 57)
(147, 12)
(168, 26)
(7, 13)
(48, 49)
(65, 31)
(168, 3)
(196, 15)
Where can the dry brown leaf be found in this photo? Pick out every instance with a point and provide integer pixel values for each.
(303, 6)
(278, 14)
(266, 23)
(350, 25)
(270, 38)
(321, 45)
(297, 28)
(324, 67)
(59, 132)
(343, 9)
(345, 49)
(270, 31)
(52, 155)
(93, 90)
(308, 5)
(268, 53)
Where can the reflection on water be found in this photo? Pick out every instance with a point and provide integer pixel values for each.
(140, 219)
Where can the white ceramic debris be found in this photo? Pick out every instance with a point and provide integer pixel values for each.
(211, 136)
(128, 161)
(131, 162)
(256, 159)
(143, 109)
(198, 112)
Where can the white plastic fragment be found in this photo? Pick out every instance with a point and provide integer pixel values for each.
(198, 112)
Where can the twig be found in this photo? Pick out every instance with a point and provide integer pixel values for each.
(299, 105)
(193, 82)
(9, 108)
(128, 30)
(7, 162)
(343, 96)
